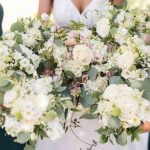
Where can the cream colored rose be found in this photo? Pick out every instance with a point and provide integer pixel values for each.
(45, 17)
(74, 67)
(103, 27)
(9, 97)
(82, 54)
(126, 60)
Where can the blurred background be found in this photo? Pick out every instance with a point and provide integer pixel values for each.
(22, 8)
(17, 8)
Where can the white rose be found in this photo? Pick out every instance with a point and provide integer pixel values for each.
(9, 97)
(111, 92)
(120, 17)
(45, 17)
(121, 35)
(126, 60)
(42, 102)
(33, 106)
(103, 27)
(43, 85)
(82, 54)
(74, 67)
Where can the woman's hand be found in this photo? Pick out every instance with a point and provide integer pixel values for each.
(117, 2)
(45, 6)
(145, 127)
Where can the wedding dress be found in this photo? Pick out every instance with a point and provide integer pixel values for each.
(64, 12)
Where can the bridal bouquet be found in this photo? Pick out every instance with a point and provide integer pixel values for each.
(48, 74)
(30, 103)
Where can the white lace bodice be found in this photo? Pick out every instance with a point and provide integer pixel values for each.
(65, 11)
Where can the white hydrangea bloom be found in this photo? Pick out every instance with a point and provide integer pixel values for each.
(55, 129)
(126, 60)
(98, 85)
(133, 108)
(103, 27)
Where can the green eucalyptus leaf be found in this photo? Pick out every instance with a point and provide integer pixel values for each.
(87, 99)
(47, 34)
(114, 122)
(92, 73)
(51, 115)
(76, 25)
(75, 110)
(18, 26)
(66, 113)
(102, 131)
(113, 30)
(19, 39)
(86, 68)
(122, 138)
(143, 86)
(69, 74)
(59, 42)
(136, 136)
(68, 103)
(17, 47)
(38, 130)
(6, 88)
(29, 147)
(50, 63)
(88, 116)
(59, 110)
(61, 89)
(1, 97)
(116, 80)
(93, 108)
(4, 81)
(103, 139)
(23, 138)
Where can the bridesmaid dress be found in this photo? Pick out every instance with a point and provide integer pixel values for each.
(7, 142)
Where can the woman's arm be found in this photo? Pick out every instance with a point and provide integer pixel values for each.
(117, 2)
(145, 127)
(45, 6)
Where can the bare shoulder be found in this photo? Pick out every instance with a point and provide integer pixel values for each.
(45, 6)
